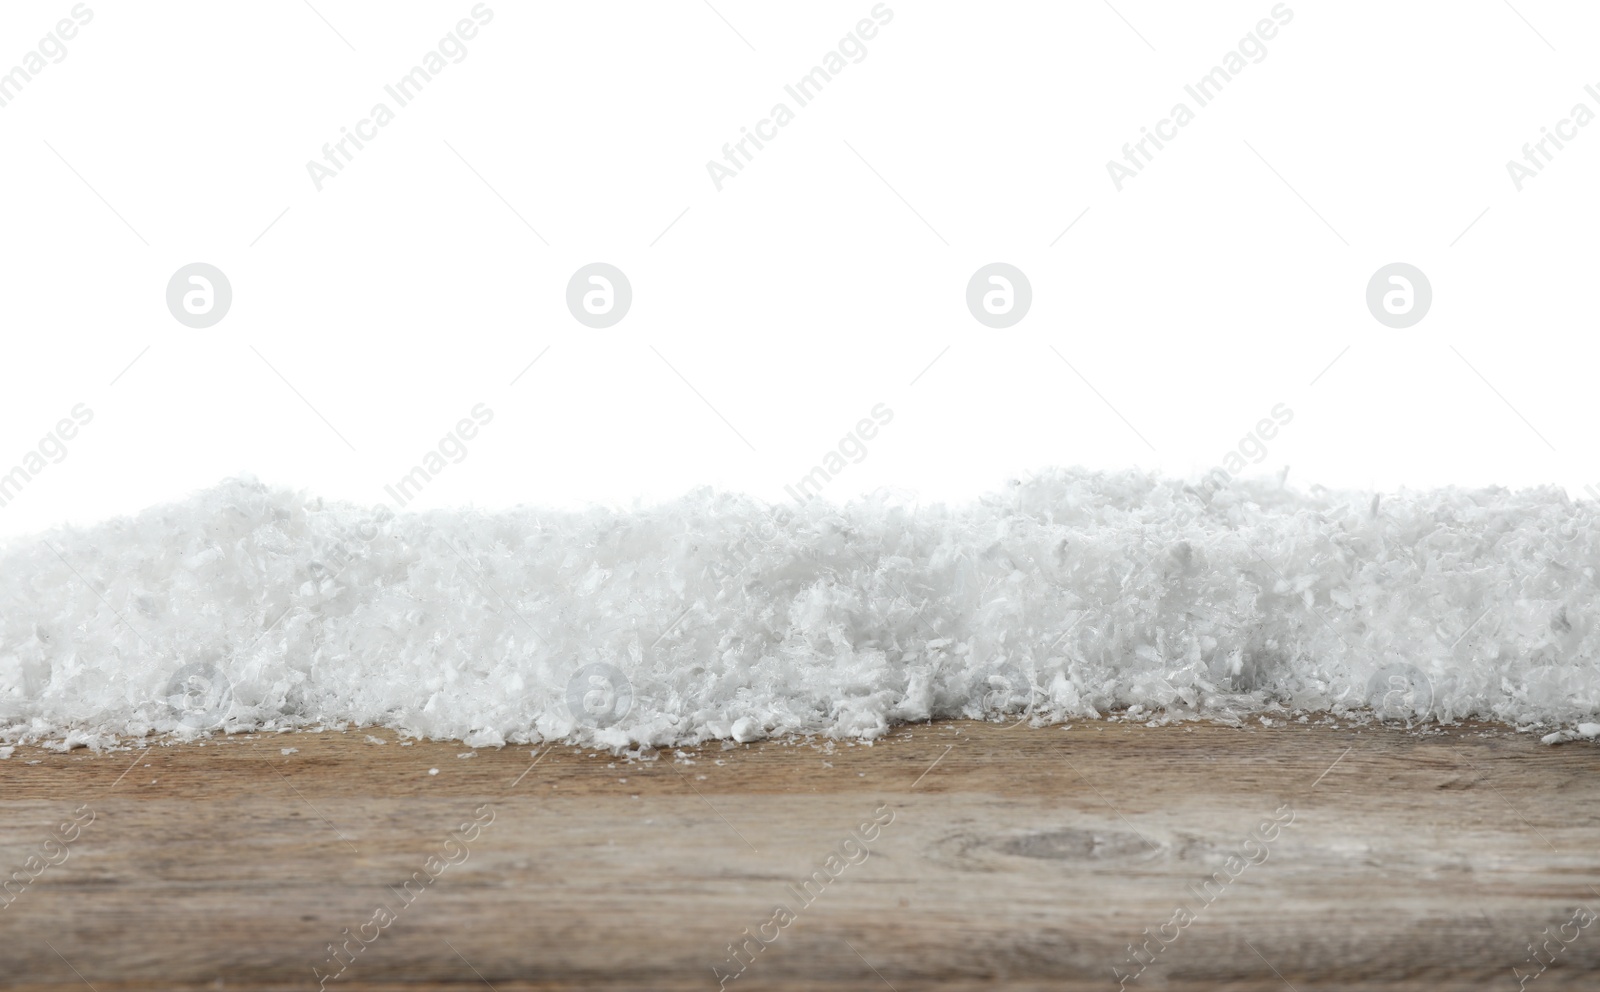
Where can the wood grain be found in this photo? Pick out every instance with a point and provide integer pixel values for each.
(1021, 858)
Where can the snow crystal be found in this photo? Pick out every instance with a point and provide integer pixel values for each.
(1068, 596)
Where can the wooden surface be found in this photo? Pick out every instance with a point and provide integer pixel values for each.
(1017, 858)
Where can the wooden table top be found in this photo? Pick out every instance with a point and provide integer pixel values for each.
(944, 856)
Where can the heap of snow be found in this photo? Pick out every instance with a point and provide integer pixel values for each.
(1068, 596)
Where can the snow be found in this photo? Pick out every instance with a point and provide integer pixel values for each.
(1584, 731)
(1071, 595)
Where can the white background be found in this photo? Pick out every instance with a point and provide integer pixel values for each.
(823, 279)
